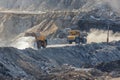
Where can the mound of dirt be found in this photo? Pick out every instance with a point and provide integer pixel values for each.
(37, 64)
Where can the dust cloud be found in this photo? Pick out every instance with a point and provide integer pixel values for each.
(101, 36)
(24, 42)
(114, 4)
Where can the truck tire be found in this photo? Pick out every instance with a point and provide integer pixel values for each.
(70, 42)
(38, 44)
(44, 44)
(77, 40)
(84, 40)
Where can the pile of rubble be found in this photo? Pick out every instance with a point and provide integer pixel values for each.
(47, 63)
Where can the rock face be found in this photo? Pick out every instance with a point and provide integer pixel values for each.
(75, 14)
(42, 4)
(13, 24)
(57, 62)
(24, 63)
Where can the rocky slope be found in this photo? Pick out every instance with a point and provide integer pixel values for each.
(51, 24)
(59, 62)
(56, 4)
(16, 63)
(81, 14)
(42, 4)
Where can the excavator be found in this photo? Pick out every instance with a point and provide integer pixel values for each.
(40, 39)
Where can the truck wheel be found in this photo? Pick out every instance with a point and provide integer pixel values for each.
(70, 42)
(44, 44)
(77, 40)
(38, 44)
(84, 40)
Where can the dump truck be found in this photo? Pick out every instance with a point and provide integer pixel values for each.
(40, 39)
(76, 36)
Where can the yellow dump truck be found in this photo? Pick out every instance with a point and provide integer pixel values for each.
(76, 36)
(41, 40)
